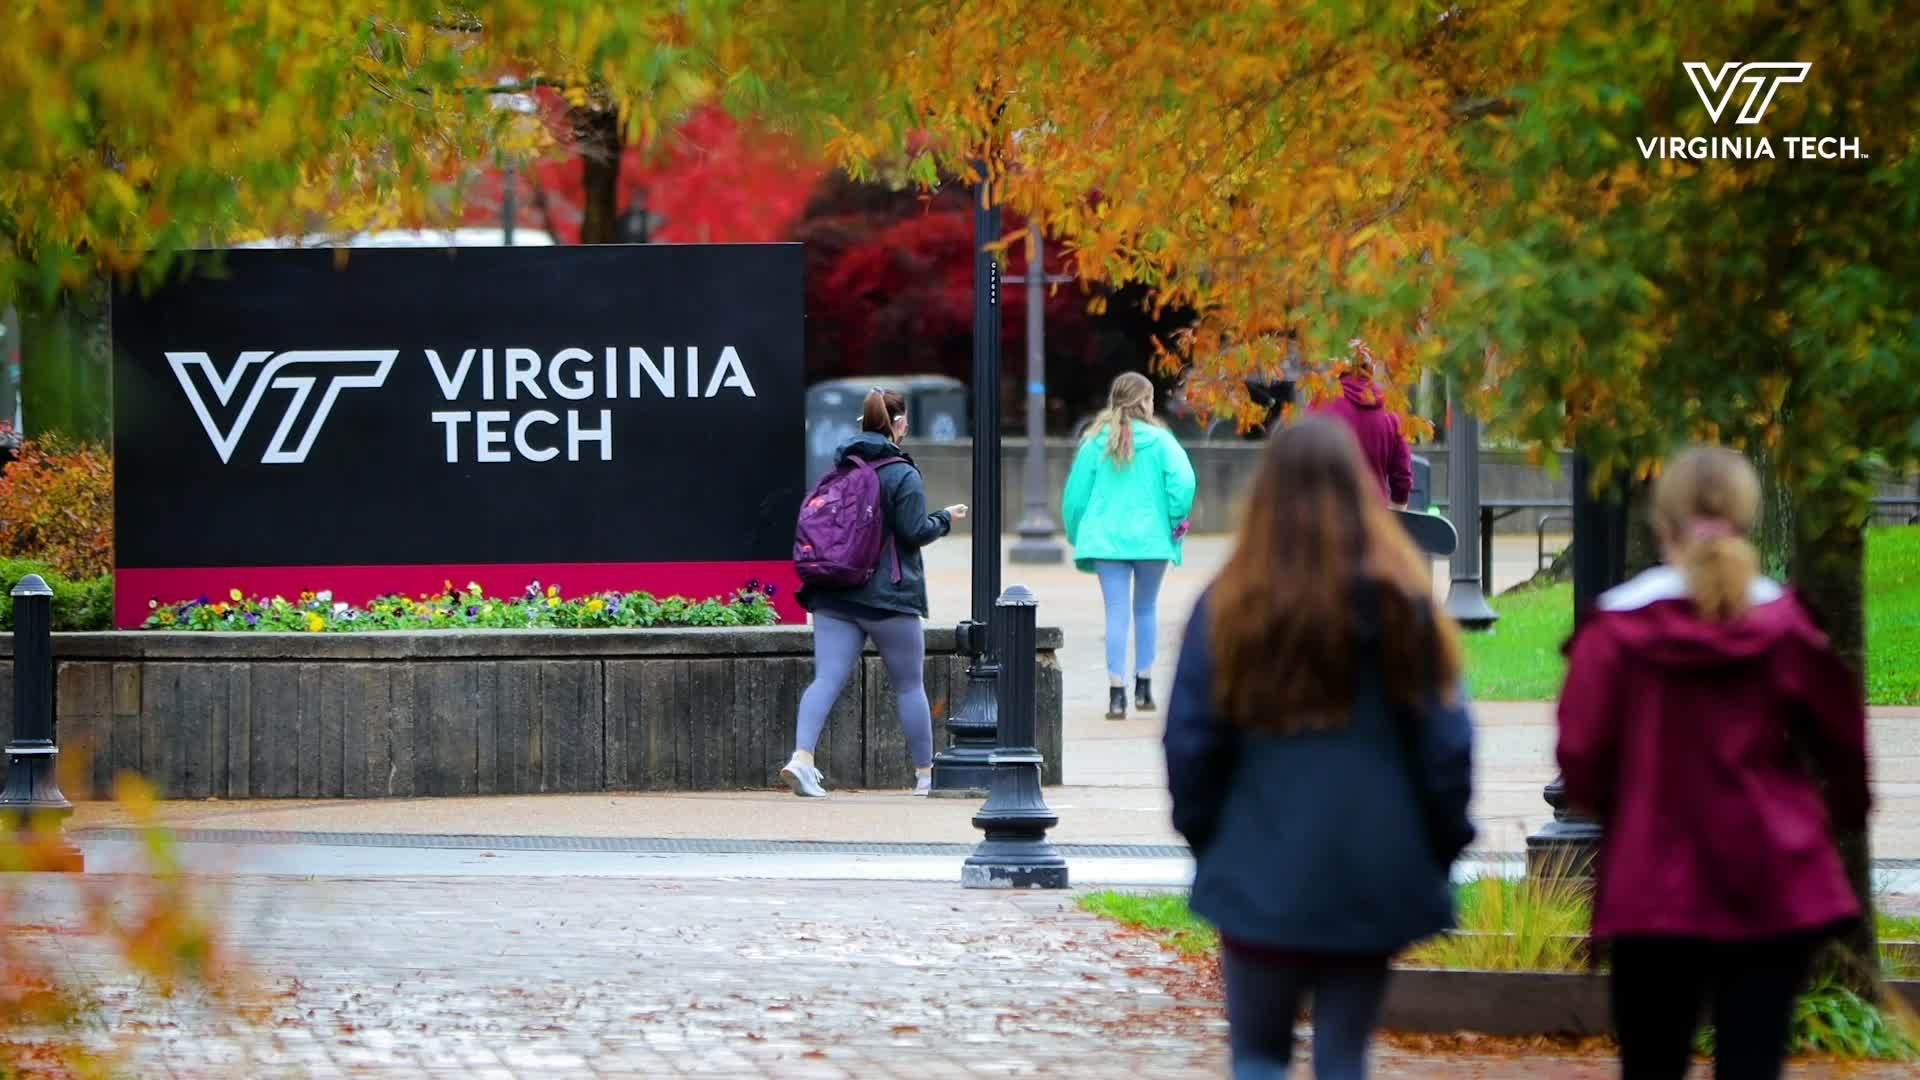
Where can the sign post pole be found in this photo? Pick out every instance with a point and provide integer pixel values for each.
(964, 769)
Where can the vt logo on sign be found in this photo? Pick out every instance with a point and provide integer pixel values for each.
(1716, 88)
(299, 371)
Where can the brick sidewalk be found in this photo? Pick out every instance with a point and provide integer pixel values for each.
(533, 977)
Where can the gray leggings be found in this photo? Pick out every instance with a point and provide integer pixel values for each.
(837, 642)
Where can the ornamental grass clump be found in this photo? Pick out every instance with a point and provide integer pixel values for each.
(536, 608)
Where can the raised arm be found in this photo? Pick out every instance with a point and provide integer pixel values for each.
(907, 511)
(1400, 468)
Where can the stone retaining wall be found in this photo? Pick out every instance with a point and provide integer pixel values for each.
(235, 716)
(1223, 468)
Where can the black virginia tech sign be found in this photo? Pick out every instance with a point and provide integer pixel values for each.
(599, 417)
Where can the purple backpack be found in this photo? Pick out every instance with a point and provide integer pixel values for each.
(843, 526)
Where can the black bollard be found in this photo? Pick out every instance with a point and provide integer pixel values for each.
(1015, 853)
(33, 793)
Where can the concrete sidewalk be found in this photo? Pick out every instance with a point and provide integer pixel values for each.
(536, 977)
(1126, 804)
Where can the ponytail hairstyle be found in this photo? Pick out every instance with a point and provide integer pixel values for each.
(880, 410)
(1130, 399)
(1704, 506)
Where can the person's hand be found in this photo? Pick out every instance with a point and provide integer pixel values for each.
(957, 511)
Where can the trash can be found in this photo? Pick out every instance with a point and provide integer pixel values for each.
(1422, 496)
(937, 411)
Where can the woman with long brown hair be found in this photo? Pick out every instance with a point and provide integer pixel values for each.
(1692, 693)
(1319, 753)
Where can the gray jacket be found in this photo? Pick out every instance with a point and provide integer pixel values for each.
(909, 528)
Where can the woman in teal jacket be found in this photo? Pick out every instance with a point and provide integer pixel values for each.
(1126, 509)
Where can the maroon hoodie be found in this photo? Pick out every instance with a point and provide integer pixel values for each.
(1378, 431)
(1673, 729)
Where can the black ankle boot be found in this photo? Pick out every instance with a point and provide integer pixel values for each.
(1143, 693)
(1117, 703)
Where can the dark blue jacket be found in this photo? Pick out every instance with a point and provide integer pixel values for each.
(909, 528)
(1322, 841)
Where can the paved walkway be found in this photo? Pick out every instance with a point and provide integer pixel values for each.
(580, 978)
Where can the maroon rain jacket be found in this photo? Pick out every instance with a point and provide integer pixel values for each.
(1385, 448)
(1674, 731)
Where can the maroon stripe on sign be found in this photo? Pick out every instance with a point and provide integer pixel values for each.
(135, 589)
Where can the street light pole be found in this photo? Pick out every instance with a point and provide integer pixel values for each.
(965, 768)
(1466, 600)
(1037, 543)
(1565, 846)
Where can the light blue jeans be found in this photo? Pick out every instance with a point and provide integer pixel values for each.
(1130, 589)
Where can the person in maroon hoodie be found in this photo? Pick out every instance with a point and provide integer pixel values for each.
(1361, 407)
(1717, 877)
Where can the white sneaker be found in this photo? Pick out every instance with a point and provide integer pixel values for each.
(923, 786)
(803, 778)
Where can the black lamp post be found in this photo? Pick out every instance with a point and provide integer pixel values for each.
(1466, 596)
(1015, 853)
(32, 794)
(963, 769)
(1565, 846)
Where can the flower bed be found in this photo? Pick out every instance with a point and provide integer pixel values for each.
(536, 608)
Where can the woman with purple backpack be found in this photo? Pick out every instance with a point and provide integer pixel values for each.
(857, 551)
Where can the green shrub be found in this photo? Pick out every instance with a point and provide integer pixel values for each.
(1530, 924)
(56, 506)
(1833, 1020)
(77, 605)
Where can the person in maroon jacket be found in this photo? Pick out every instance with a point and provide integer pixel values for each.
(1361, 406)
(1687, 690)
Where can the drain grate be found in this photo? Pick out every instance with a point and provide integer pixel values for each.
(629, 845)
(674, 845)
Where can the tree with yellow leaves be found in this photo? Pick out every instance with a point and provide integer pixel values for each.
(138, 131)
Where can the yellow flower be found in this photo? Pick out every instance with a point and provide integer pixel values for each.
(596, 604)
(553, 591)
(315, 623)
(237, 597)
(473, 587)
(166, 618)
(553, 601)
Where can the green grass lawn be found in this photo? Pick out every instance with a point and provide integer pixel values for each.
(1519, 659)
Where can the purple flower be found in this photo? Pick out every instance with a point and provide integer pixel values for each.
(472, 611)
(772, 588)
(753, 584)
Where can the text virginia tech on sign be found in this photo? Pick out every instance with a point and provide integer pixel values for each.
(568, 375)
